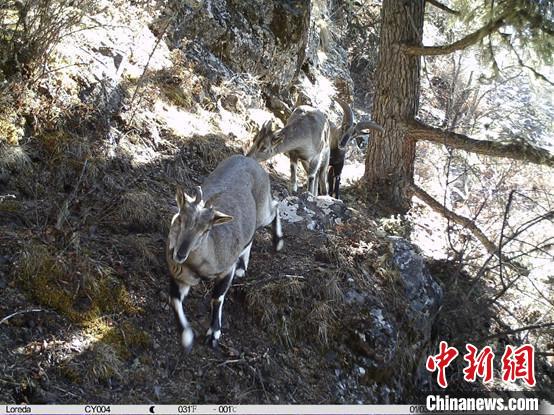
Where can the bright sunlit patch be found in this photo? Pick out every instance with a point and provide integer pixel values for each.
(184, 123)
(259, 116)
(229, 123)
(321, 91)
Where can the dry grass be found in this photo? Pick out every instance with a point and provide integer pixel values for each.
(13, 158)
(104, 363)
(295, 308)
(139, 209)
(211, 149)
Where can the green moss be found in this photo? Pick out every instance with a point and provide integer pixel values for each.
(10, 206)
(63, 285)
(122, 338)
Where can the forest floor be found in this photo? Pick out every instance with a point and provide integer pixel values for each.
(85, 208)
(96, 325)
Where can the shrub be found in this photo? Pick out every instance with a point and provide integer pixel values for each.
(31, 29)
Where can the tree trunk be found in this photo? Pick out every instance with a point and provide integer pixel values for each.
(390, 156)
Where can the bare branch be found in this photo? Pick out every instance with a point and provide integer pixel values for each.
(530, 68)
(467, 224)
(443, 7)
(531, 327)
(34, 310)
(515, 151)
(463, 43)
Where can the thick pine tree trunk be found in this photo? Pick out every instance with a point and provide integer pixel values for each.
(390, 156)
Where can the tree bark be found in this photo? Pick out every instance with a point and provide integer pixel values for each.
(389, 165)
(514, 150)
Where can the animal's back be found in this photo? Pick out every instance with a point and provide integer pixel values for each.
(308, 122)
(235, 173)
(240, 187)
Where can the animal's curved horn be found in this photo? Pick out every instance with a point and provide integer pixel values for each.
(368, 125)
(348, 116)
(198, 194)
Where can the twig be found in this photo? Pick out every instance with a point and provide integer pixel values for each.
(139, 84)
(34, 310)
(504, 222)
(503, 333)
(466, 223)
(225, 363)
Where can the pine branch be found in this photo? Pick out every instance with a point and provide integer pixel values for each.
(443, 7)
(463, 43)
(515, 151)
(467, 224)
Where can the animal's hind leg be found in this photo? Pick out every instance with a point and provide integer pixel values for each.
(178, 292)
(323, 180)
(323, 167)
(218, 296)
(313, 175)
(242, 263)
(277, 232)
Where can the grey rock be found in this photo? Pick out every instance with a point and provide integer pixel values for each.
(317, 213)
(424, 294)
(265, 38)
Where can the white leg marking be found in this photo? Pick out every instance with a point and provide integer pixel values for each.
(187, 337)
(279, 245)
(178, 306)
(220, 309)
(246, 257)
(217, 334)
(278, 229)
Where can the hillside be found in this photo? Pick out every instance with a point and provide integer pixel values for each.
(142, 96)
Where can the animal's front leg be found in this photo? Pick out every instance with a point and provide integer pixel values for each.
(218, 296)
(293, 178)
(331, 180)
(178, 292)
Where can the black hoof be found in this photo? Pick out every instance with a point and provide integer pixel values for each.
(211, 341)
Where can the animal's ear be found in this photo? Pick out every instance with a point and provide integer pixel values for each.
(220, 218)
(180, 197)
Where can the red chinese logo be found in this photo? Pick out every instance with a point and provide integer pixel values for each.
(441, 361)
(478, 364)
(519, 364)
